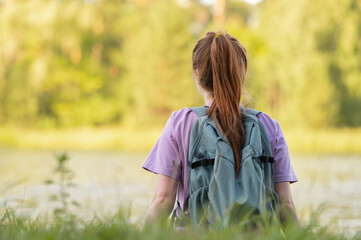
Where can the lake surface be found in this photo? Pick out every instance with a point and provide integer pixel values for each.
(108, 181)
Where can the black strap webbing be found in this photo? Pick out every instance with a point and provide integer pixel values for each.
(266, 159)
(207, 162)
(203, 163)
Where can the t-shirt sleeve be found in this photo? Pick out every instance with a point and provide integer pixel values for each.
(282, 164)
(164, 158)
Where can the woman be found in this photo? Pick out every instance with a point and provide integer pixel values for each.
(219, 66)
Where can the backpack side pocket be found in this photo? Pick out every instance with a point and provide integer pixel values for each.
(198, 206)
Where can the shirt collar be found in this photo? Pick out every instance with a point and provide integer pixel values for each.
(208, 103)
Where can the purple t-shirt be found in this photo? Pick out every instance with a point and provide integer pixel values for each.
(169, 156)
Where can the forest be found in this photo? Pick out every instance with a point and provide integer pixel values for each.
(127, 63)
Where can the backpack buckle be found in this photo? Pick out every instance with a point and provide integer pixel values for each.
(202, 163)
(266, 159)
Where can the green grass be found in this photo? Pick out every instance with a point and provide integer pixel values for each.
(343, 141)
(85, 138)
(119, 226)
(330, 141)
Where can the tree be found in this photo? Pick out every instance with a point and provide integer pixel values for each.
(309, 73)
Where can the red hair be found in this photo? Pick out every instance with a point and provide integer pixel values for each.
(220, 63)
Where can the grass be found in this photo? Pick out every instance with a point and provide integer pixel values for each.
(330, 141)
(342, 141)
(118, 226)
(85, 138)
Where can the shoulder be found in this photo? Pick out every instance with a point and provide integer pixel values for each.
(271, 125)
(183, 116)
(283, 169)
(182, 120)
(273, 130)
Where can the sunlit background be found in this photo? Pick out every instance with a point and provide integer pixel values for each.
(98, 79)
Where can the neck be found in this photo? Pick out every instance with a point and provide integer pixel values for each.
(208, 97)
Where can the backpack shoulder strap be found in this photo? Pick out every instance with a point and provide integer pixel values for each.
(250, 111)
(202, 114)
(200, 111)
(265, 141)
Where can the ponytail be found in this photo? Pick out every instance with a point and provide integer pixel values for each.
(223, 73)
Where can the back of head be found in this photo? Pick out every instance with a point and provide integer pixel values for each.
(220, 65)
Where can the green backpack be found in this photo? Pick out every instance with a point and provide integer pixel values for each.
(219, 198)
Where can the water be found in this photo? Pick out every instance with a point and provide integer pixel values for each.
(107, 181)
(333, 181)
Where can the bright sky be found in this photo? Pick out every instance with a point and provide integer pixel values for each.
(253, 1)
(210, 2)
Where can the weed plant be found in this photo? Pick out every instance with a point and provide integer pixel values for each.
(63, 180)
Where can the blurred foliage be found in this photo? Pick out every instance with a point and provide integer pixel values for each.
(119, 225)
(311, 68)
(128, 62)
